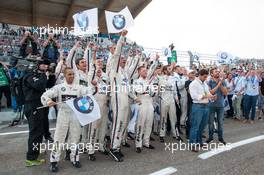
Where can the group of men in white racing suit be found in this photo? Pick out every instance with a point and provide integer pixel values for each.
(128, 80)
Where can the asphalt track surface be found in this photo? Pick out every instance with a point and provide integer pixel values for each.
(245, 159)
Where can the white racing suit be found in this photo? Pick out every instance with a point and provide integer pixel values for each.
(167, 97)
(144, 122)
(89, 131)
(120, 89)
(183, 100)
(67, 123)
(133, 63)
(102, 98)
(156, 105)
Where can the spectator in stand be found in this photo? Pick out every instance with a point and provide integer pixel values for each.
(51, 47)
(28, 45)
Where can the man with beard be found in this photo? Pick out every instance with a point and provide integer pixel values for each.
(218, 88)
(168, 99)
(200, 94)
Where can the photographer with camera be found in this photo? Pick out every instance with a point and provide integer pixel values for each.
(34, 85)
(28, 45)
(51, 47)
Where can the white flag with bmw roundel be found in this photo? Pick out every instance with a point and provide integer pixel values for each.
(85, 108)
(118, 21)
(166, 52)
(224, 58)
(86, 22)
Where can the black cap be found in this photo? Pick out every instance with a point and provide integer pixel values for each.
(45, 61)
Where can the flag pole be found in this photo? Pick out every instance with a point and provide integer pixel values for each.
(41, 107)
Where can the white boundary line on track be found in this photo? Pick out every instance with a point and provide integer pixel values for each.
(229, 147)
(18, 132)
(165, 171)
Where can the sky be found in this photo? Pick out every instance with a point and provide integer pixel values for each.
(203, 26)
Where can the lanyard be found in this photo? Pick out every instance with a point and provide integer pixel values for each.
(253, 80)
(203, 85)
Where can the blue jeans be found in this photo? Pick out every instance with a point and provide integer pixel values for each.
(14, 105)
(219, 111)
(250, 103)
(199, 120)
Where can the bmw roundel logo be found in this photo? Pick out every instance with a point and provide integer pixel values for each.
(195, 57)
(83, 104)
(63, 89)
(119, 21)
(224, 55)
(82, 20)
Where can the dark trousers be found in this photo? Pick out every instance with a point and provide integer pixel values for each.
(188, 121)
(250, 103)
(230, 112)
(46, 123)
(6, 91)
(36, 129)
(178, 114)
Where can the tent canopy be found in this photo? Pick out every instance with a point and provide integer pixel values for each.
(59, 12)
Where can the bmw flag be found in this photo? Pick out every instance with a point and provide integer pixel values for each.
(224, 58)
(166, 52)
(118, 21)
(86, 22)
(85, 109)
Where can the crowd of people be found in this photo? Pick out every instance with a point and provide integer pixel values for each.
(137, 96)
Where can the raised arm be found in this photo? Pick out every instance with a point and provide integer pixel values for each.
(88, 56)
(58, 69)
(70, 61)
(114, 61)
(153, 67)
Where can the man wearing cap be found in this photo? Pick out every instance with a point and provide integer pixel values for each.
(34, 84)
